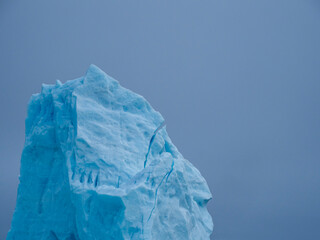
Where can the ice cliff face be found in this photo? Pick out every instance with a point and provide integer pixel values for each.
(98, 164)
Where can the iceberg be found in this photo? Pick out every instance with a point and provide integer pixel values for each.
(98, 164)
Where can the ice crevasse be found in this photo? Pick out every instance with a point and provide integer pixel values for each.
(98, 164)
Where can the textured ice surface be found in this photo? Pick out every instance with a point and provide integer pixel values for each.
(98, 164)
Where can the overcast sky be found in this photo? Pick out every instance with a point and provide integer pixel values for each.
(238, 83)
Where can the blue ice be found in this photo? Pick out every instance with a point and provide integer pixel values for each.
(98, 164)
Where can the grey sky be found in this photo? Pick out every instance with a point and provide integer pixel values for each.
(238, 83)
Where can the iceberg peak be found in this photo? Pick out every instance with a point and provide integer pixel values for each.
(98, 164)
